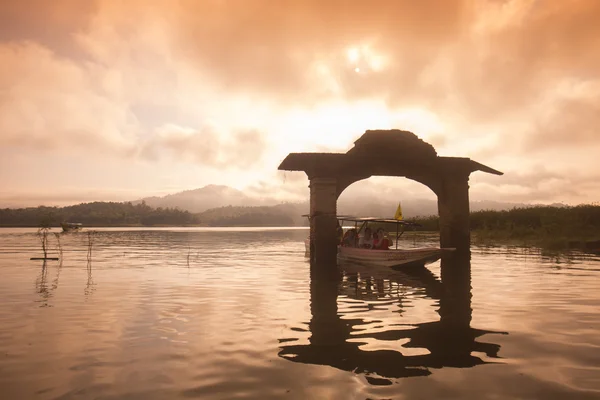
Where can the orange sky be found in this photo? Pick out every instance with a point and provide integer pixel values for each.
(113, 100)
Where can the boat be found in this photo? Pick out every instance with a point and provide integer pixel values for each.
(70, 226)
(389, 258)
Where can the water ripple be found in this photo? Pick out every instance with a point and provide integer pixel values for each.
(225, 313)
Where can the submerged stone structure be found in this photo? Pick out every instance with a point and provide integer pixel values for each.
(386, 153)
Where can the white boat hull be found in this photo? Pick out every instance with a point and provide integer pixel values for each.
(385, 258)
(70, 227)
(389, 258)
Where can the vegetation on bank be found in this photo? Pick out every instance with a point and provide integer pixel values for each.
(546, 226)
(127, 214)
(279, 215)
(96, 214)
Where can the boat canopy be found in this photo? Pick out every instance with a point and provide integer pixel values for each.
(350, 218)
(376, 220)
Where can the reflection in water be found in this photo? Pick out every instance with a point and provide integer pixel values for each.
(56, 279)
(41, 285)
(336, 340)
(90, 285)
(160, 330)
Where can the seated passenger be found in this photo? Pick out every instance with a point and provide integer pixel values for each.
(349, 238)
(340, 234)
(366, 240)
(381, 241)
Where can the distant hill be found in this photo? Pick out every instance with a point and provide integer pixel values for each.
(283, 214)
(200, 200)
(220, 196)
(218, 205)
(291, 213)
(371, 206)
(287, 214)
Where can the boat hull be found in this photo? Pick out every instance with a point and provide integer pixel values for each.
(70, 227)
(389, 258)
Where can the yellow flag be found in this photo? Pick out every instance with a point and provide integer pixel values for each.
(398, 215)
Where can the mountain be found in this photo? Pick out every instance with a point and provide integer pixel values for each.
(286, 214)
(200, 200)
(372, 206)
(220, 197)
(218, 205)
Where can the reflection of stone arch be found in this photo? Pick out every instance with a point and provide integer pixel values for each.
(387, 153)
(337, 336)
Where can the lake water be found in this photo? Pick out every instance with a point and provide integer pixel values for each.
(233, 313)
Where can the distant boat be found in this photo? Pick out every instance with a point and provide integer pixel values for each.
(70, 226)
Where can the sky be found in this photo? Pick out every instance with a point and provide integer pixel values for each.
(112, 100)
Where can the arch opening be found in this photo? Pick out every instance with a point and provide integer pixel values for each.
(378, 196)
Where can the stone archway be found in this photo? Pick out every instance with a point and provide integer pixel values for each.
(386, 153)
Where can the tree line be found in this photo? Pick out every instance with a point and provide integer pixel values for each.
(545, 226)
(97, 214)
(128, 214)
(575, 221)
(550, 219)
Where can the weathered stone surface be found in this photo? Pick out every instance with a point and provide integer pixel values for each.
(453, 210)
(392, 143)
(323, 221)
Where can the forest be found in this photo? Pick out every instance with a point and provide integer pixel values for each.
(97, 214)
(107, 214)
(536, 225)
(567, 226)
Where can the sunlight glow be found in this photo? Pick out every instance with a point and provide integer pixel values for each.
(334, 126)
(365, 58)
(353, 55)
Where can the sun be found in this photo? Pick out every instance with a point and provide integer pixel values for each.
(353, 55)
(365, 59)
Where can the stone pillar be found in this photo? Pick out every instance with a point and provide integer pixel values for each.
(323, 222)
(453, 210)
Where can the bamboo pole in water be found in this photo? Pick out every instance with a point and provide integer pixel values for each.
(43, 236)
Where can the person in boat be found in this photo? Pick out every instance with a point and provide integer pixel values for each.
(340, 234)
(349, 238)
(366, 240)
(380, 240)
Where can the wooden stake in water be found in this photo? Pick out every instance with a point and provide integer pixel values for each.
(58, 244)
(43, 236)
(90, 244)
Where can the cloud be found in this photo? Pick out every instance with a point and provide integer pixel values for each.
(207, 146)
(52, 24)
(50, 102)
(484, 59)
(55, 104)
(270, 47)
(511, 83)
(572, 119)
(538, 184)
(281, 186)
(477, 64)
